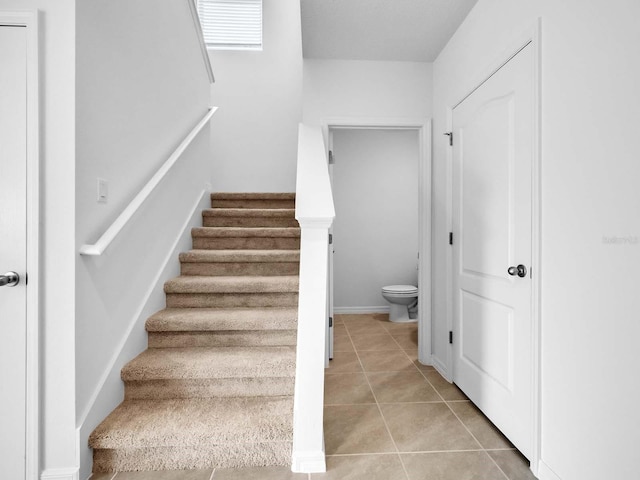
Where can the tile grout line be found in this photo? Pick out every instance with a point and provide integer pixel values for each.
(212, 473)
(478, 441)
(384, 421)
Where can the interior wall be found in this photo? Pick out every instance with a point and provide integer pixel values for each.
(350, 88)
(375, 193)
(57, 229)
(590, 202)
(255, 132)
(140, 91)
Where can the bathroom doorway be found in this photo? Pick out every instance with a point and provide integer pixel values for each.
(381, 175)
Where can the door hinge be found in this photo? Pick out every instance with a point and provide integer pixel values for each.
(450, 238)
(330, 239)
(450, 336)
(450, 134)
(332, 160)
(330, 321)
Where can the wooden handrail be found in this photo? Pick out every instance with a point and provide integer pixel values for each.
(112, 232)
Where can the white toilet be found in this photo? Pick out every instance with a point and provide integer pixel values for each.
(400, 297)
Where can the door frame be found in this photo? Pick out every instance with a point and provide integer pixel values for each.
(29, 20)
(531, 36)
(423, 127)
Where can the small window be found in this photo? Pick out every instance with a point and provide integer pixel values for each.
(231, 24)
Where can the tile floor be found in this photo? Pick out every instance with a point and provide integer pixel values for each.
(387, 417)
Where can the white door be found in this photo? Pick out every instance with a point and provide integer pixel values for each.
(13, 165)
(493, 132)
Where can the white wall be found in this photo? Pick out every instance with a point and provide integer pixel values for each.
(57, 229)
(139, 92)
(375, 192)
(348, 88)
(590, 171)
(255, 133)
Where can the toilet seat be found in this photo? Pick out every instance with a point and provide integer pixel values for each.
(401, 290)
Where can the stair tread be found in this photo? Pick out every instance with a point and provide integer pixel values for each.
(239, 256)
(223, 319)
(253, 196)
(249, 212)
(232, 284)
(245, 232)
(211, 362)
(195, 422)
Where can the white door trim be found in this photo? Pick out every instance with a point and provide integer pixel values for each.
(423, 127)
(530, 36)
(29, 20)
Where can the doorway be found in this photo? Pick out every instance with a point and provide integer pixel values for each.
(419, 263)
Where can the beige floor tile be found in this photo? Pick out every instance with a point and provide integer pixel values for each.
(451, 466)
(513, 464)
(481, 428)
(355, 429)
(347, 388)
(393, 327)
(339, 329)
(387, 361)
(449, 391)
(420, 427)
(365, 328)
(258, 473)
(424, 368)
(375, 342)
(363, 467)
(344, 362)
(102, 476)
(407, 339)
(166, 475)
(342, 343)
(397, 387)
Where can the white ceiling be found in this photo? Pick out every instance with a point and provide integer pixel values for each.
(391, 30)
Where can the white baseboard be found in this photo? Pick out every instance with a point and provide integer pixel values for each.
(60, 474)
(308, 462)
(545, 473)
(355, 310)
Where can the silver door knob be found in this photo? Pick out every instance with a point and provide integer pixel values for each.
(9, 279)
(520, 271)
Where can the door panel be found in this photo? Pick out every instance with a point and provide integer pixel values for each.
(492, 164)
(13, 161)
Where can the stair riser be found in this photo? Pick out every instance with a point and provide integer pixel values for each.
(283, 222)
(231, 300)
(252, 203)
(197, 457)
(246, 243)
(208, 388)
(270, 338)
(239, 269)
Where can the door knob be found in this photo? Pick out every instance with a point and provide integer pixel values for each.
(10, 279)
(520, 271)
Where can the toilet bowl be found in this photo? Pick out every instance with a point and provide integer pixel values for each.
(400, 297)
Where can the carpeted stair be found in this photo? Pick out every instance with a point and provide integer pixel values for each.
(215, 386)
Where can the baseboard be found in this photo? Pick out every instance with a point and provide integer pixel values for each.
(60, 474)
(356, 310)
(308, 462)
(545, 473)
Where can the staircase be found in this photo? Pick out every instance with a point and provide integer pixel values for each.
(215, 386)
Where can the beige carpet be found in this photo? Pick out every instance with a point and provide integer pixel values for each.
(215, 387)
